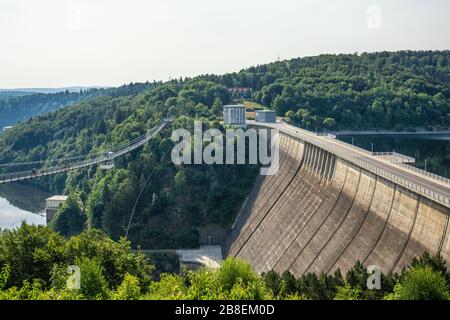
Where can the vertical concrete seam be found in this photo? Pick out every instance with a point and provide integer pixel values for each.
(408, 238)
(385, 225)
(315, 232)
(358, 229)
(324, 186)
(246, 212)
(269, 187)
(441, 244)
(268, 211)
(340, 223)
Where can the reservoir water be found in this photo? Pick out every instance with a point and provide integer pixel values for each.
(19, 202)
(430, 149)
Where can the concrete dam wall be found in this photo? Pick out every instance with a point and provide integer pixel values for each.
(320, 213)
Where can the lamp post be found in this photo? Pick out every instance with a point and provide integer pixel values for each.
(371, 147)
(425, 165)
(353, 141)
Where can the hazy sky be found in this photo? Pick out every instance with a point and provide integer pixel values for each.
(53, 43)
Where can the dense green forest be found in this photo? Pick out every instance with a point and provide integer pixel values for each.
(176, 200)
(358, 91)
(34, 261)
(18, 106)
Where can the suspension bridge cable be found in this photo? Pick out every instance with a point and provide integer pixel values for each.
(119, 150)
(123, 146)
(139, 195)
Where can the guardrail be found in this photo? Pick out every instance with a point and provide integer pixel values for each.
(423, 172)
(310, 138)
(326, 135)
(401, 181)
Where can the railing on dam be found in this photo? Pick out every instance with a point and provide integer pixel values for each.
(425, 173)
(401, 181)
(343, 154)
(326, 135)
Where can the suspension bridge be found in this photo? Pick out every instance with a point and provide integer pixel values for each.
(105, 160)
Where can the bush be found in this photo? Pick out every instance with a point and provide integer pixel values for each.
(129, 289)
(93, 283)
(348, 292)
(420, 283)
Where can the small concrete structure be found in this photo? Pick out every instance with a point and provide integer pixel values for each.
(268, 116)
(52, 204)
(7, 128)
(205, 256)
(109, 163)
(234, 115)
(241, 92)
(394, 157)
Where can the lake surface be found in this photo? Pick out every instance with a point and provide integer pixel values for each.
(19, 203)
(435, 149)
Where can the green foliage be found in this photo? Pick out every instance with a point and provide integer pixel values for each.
(347, 292)
(169, 287)
(234, 280)
(421, 283)
(129, 289)
(180, 180)
(435, 262)
(70, 218)
(19, 106)
(109, 271)
(93, 282)
(115, 257)
(175, 202)
(232, 270)
(320, 287)
(32, 253)
(237, 279)
(273, 282)
(4, 276)
(358, 91)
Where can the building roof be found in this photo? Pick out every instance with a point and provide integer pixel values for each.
(58, 198)
(234, 106)
(239, 89)
(270, 111)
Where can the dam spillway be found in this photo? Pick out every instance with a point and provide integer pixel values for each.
(330, 205)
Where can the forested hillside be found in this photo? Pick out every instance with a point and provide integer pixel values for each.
(359, 91)
(380, 90)
(19, 106)
(175, 202)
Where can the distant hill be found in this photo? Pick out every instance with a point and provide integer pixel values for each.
(11, 94)
(19, 105)
(51, 90)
